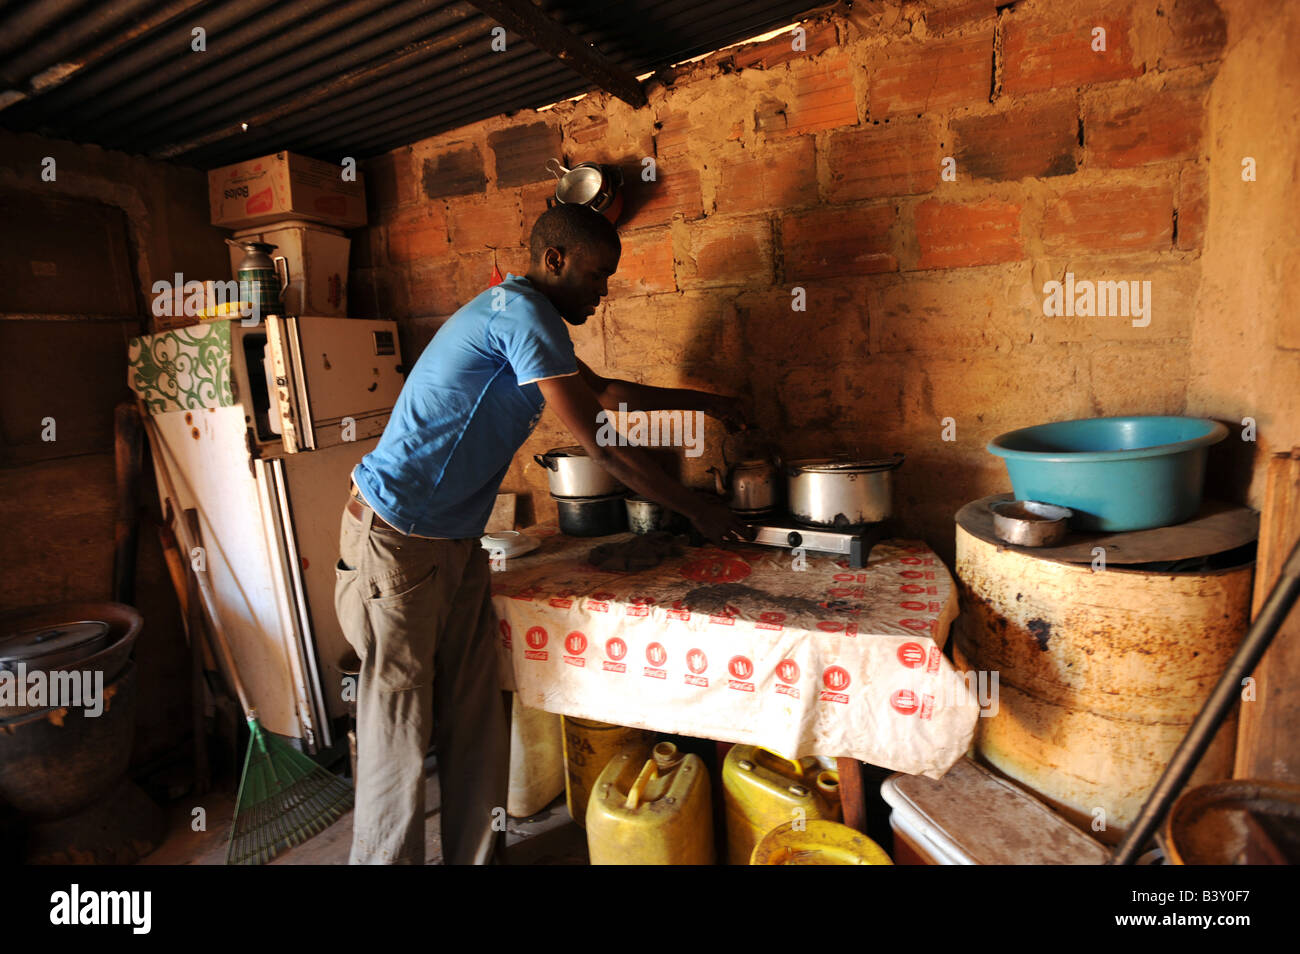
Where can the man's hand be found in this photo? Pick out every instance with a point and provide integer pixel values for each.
(730, 411)
(717, 523)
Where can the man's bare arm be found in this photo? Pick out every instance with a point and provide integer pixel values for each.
(611, 392)
(576, 404)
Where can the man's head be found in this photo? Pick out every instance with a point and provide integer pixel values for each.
(574, 251)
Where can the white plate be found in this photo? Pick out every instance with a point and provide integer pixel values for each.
(512, 543)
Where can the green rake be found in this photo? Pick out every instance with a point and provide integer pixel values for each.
(284, 797)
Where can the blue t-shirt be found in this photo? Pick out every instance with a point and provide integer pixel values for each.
(467, 406)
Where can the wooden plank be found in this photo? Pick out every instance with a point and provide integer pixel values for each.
(852, 796)
(1270, 725)
(521, 17)
(1217, 527)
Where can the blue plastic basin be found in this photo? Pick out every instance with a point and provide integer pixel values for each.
(1115, 473)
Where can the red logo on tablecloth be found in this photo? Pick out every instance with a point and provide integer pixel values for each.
(535, 637)
(910, 561)
(742, 668)
(911, 655)
(904, 702)
(917, 624)
(697, 662)
(830, 626)
(615, 649)
(932, 662)
(505, 633)
(656, 655)
(913, 605)
(575, 643)
(770, 621)
(912, 588)
(639, 606)
(716, 567)
(836, 677)
(787, 670)
(560, 602)
(911, 574)
(927, 706)
(836, 680)
(679, 611)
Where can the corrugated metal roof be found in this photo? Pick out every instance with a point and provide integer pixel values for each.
(322, 78)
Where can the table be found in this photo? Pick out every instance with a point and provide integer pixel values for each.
(737, 644)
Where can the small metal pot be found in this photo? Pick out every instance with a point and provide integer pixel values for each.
(646, 516)
(571, 473)
(841, 494)
(592, 516)
(1030, 523)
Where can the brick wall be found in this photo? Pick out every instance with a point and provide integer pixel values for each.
(824, 169)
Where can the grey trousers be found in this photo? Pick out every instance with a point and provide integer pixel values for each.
(419, 614)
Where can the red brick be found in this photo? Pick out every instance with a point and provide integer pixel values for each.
(1199, 33)
(389, 180)
(728, 251)
(646, 265)
(878, 161)
(1019, 144)
(1089, 219)
(963, 13)
(818, 38)
(433, 288)
(953, 234)
(836, 243)
(419, 234)
(677, 130)
(777, 175)
(1193, 206)
(532, 203)
(822, 98)
(675, 191)
(481, 221)
(933, 75)
(1164, 126)
(1051, 53)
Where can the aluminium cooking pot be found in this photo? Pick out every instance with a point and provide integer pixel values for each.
(571, 473)
(841, 493)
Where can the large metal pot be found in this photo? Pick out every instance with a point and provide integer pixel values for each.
(839, 493)
(571, 473)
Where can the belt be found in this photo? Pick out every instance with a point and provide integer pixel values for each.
(358, 507)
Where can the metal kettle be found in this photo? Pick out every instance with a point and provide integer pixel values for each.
(750, 485)
(260, 282)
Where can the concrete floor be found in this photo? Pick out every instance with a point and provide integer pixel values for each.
(547, 838)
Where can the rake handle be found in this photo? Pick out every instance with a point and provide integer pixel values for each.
(205, 587)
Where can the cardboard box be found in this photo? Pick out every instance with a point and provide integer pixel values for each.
(317, 256)
(285, 186)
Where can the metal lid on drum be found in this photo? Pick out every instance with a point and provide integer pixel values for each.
(74, 640)
(844, 465)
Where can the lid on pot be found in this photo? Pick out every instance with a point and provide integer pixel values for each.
(575, 450)
(83, 638)
(841, 465)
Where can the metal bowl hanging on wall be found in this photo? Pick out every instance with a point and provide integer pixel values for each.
(599, 187)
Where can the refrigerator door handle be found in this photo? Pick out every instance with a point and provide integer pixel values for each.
(289, 387)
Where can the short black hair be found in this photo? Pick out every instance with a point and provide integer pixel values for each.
(567, 226)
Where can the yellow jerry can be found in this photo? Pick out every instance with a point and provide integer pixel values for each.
(652, 811)
(588, 747)
(817, 842)
(762, 790)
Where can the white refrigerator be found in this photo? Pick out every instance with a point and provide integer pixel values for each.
(261, 427)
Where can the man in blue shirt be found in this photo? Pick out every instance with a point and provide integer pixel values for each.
(413, 594)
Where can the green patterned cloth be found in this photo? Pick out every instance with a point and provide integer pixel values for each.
(183, 369)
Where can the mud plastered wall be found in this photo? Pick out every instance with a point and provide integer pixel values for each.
(921, 172)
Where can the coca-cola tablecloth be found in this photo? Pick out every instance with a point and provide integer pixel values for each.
(736, 644)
